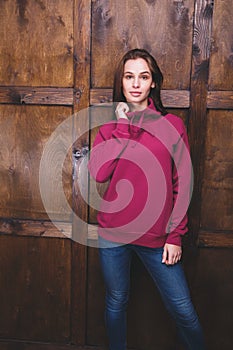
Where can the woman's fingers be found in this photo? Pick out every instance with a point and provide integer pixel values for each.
(121, 110)
(171, 254)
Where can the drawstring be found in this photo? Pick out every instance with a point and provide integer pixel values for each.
(134, 115)
(136, 129)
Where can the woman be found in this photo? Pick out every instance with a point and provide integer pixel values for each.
(144, 156)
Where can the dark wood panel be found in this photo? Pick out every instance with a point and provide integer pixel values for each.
(96, 333)
(36, 43)
(82, 25)
(170, 98)
(163, 29)
(36, 95)
(217, 190)
(221, 60)
(219, 239)
(197, 122)
(35, 228)
(35, 300)
(24, 131)
(210, 277)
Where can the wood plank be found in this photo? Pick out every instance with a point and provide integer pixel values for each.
(35, 301)
(96, 331)
(82, 30)
(221, 59)
(197, 124)
(217, 180)
(165, 31)
(36, 43)
(216, 239)
(92, 232)
(35, 228)
(36, 95)
(24, 133)
(170, 98)
(220, 99)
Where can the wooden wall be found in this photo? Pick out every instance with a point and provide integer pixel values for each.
(56, 58)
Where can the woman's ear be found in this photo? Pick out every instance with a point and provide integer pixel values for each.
(152, 85)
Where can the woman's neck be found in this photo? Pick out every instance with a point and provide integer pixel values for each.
(135, 107)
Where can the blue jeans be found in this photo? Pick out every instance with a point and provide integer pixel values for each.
(115, 262)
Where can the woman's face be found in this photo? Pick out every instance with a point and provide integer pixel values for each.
(137, 83)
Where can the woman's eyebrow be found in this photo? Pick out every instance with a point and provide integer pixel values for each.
(144, 72)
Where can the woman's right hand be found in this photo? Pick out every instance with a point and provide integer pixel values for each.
(121, 110)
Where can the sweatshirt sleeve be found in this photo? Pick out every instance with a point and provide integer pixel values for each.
(109, 144)
(182, 189)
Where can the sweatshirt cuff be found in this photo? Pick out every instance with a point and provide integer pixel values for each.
(174, 238)
(122, 127)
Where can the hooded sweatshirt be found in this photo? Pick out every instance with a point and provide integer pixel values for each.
(146, 162)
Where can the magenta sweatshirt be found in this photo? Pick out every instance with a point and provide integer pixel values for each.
(147, 165)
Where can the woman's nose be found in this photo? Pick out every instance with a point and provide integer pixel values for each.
(136, 83)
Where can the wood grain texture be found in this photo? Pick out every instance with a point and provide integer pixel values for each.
(24, 131)
(197, 124)
(36, 275)
(220, 99)
(36, 43)
(217, 239)
(221, 59)
(211, 285)
(35, 228)
(82, 26)
(164, 29)
(218, 173)
(36, 95)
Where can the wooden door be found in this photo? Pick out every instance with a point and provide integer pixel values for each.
(57, 58)
(43, 73)
(191, 42)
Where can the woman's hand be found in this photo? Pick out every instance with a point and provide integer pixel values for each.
(121, 110)
(171, 254)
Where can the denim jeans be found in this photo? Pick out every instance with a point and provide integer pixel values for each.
(170, 280)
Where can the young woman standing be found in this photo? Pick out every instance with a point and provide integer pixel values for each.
(144, 155)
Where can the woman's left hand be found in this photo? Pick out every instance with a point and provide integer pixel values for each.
(171, 254)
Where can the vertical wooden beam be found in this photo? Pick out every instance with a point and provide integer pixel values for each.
(198, 103)
(82, 30)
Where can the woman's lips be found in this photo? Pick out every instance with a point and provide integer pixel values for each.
(135, 93)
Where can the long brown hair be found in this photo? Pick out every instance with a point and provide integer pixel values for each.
(157, 77)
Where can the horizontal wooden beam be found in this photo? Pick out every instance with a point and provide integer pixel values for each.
(170, 98)
(48, 229)
(92, 232)
(37, 95)
(215, 239)
(35, 228)
(220, 99)
(66, 97)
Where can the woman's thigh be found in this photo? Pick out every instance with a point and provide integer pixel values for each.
(170, 280)
(115, 261)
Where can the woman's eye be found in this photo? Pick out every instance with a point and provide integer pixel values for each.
(128, 77)
(145, 77)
